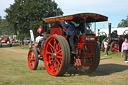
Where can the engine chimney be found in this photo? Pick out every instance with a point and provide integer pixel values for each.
(109, 28)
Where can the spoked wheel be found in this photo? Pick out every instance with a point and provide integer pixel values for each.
(56, 55)
(33, 59)
(114, 46)
(95, 62)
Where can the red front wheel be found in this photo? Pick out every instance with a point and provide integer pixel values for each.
(33, 59)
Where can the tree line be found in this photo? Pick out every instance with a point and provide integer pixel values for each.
(123, 23)
(4, 27)
(24, 15)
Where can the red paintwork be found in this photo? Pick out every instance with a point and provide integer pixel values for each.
(52, 65)
(51, 48)
(31, 59)
(97, 17)
(47, 35)
(88, 43)
(90, 49)
(64, 29)
(41, 51)
(78, 62)
(65, 36)
(81, 43)
(55, 19)
(5, 40)
(42, 48)
(86, 63)
(83, 38)
(115, 47)
(56, 30)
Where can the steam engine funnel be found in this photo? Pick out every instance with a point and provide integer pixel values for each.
(109, 28)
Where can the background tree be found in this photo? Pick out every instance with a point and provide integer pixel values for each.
(0, 18)
(24, 15)
(123, 23)
(4, 27)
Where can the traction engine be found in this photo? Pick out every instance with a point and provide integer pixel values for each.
(55, 49)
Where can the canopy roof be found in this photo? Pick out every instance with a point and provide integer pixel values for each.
(88, 17)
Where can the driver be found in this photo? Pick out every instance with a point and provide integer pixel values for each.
(71, 32)
(81, 26)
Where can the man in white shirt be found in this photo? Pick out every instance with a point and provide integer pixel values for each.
(106, 47)
(8, 43)
(39, 40)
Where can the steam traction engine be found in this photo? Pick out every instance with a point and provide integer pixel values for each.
(55, 50)
(114, 40)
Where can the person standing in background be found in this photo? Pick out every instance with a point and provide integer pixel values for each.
(8, 42)
(125, 50)
(20, 44)
(120, 40)
(24, 43)
(106, 47)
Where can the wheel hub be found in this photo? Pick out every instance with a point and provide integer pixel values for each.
(53, 55)
(31, 59)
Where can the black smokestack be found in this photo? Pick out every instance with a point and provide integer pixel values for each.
(109, 28)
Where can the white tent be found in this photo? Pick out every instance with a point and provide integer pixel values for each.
(120, 31)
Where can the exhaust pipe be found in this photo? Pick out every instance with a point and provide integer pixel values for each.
(109, 28)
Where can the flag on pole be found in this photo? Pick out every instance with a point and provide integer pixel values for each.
(39, 29)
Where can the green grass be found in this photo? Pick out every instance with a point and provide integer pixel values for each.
(14, 70)
(111, 54)
(16, 45)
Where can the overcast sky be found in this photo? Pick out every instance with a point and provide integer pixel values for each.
(114, 9)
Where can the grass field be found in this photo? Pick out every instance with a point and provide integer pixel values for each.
(14, 70)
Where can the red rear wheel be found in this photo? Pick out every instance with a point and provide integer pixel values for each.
(114, 46)
(32, 59)
(56, 55)
(95, 60)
